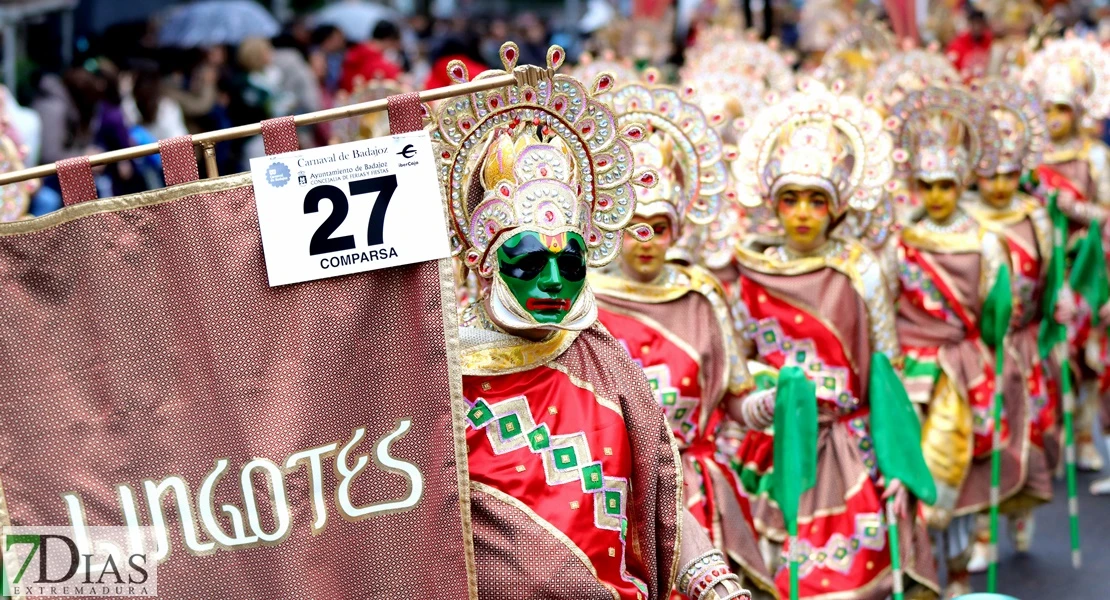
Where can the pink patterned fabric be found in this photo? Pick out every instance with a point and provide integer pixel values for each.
(76, 179)
(405, 113)
(145, 343)
(179, 160)
(280, 135)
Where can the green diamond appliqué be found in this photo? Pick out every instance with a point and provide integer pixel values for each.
(592, 479)
(539, 438)
(613, 503)
(510, 426)
(565, 458)
(480, 414)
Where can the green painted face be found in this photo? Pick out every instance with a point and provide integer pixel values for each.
(544, 273)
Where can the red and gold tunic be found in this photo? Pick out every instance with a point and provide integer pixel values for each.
(678, 329)
(575, 484)
(827, 313)
(945, 277)
(1027, 231)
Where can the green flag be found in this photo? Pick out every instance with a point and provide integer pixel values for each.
(1051, 332)
(795, 443)
(897, 431)
(997, 309)
(1088, 272)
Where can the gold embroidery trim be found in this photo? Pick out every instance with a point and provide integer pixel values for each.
(120, 203)
(459, 409)
(647, 293)
(603, 401)
(499, 358)
(943, 243)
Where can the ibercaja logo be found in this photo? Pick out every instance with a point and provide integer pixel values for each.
(90, 561)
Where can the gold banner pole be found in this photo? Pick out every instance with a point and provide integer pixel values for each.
(206, 140)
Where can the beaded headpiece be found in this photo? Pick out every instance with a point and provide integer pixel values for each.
(906, 72)
(747, 58)
(856, 54)
(543, 155)
(944, 133)
(1022, 132)
(817, 138)
(1074, 72)
(590, 66)
(682, 147)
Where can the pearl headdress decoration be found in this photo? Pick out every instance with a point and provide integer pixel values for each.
(1022, 132)
(947, 133)
(816, 138)
(909, 71)
(1072, 71)
(542, 155)
(694, 193)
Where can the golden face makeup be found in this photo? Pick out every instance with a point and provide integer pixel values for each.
(939, 198)
(644, 261)
(997, 191)
(805, 215)
(1061, 121)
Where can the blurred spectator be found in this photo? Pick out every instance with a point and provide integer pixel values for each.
(68, 130)
(194, 88)
(328, 49)
(491, 44)
(455, 47)
(111, 132)
(970, 52)
(368, 61)
(257, 93)
(146, 106)
(533, 41)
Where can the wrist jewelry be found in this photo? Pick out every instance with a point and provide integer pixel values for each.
(703, 588)
(708, 565)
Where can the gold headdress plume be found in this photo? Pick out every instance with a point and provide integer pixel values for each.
(543, 155)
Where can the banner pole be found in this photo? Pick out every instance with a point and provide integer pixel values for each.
(242, 131)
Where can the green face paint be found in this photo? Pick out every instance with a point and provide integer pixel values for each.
(544, 273)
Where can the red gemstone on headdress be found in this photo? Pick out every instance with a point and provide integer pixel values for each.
(587, 128)
(636, 133)
(510, 54)
(601, 162)
(604, 82)
(495, 102)
(647, 178)
(550, 216)
(543, 171)
(603, 202)
(445, 154)
(457, 72)
(465, 125)
(559, 104)
(528, 95)
(556, 56)
(535, 120)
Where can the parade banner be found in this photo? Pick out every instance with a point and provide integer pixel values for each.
(271, 442)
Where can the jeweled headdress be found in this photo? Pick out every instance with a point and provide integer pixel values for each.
(589, 67)
(944, 133)
(681, 147)
(816, 138)
(752, 59)
(1074, 72)
(906, 72)
(856, 53)
(544, 155)
(724, 97)
(1022, 132)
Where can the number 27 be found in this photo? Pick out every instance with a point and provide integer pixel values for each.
(322, 242)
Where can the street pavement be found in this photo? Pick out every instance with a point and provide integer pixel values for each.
(1045, 572)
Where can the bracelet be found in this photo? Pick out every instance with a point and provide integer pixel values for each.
(740, 593)
(698, 565)
(702, 593)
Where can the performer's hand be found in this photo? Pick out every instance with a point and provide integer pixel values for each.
(937, 518)
(901, 497)
(1065, 306)
(1104, 313)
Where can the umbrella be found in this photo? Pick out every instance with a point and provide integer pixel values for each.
(355, 19)
(216, 22)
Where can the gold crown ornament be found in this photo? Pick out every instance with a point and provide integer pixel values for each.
(817, 137)
(1075, 72)
(590, 66)
(749, 58)
(911, 70)
(856, 53)
(944, 133)
(681, 147)
(544, 155)
(1022, 131)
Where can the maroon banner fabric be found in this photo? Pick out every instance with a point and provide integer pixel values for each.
(302, 441)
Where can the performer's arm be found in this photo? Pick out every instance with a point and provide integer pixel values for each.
(699, 561)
